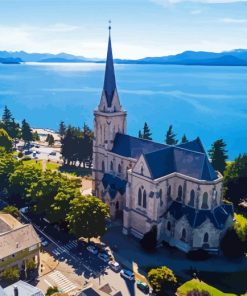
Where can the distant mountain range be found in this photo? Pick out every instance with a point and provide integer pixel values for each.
(236, 57)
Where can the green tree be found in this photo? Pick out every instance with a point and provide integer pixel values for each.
(5, 140)
(9, 124)
(12, 210)
(184, 139)
(62, 129)
(147, 135)
(36, 136)
(87, 217)
(51, 290)
(218, 155)
(140, 134)
(7, 166)
(26, 132)
(31, 265)
(170, 137)
(235, 180)
(50, 140)
(162, 280)
(21, 180)
(11, 275)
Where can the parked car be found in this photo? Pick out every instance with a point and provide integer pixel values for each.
(143, 287)
(114, 265)
(127, 274)
(44, 243)
(53, 153)
(104, 256)
(24, 210)
(92, 249)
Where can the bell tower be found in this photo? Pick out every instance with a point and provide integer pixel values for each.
(109, 119)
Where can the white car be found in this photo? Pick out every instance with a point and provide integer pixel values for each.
(127, 274)
(44, 243)
(103, 256)
(114, 265)
(92, 249)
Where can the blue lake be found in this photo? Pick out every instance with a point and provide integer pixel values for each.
(210, 102)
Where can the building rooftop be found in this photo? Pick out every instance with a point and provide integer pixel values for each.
(23, 288)
(15, 236)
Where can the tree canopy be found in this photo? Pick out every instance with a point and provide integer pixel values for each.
(9, 124)
(50, 140)
(87, 217)
(5, 140)
(235, 180)
(62, 129)
(162, 280)
(146, 134)
(218, 155)
(26, 132)
(184, 139)
(170, 137)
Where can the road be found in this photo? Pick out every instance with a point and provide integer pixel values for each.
(67, 249)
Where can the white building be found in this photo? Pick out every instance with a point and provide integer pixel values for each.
(148, 184)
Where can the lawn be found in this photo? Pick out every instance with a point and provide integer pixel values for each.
(196, 284)
(52, 166)
(33, 162)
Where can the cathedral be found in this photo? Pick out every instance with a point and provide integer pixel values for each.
(147, 184)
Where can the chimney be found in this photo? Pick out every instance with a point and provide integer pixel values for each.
(16, 292)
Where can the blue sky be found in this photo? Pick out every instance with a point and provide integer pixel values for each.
(139, 27)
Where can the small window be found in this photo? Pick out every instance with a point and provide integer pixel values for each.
(103, 166)
(119, 169)
(205, 200)
(205, 239)
(169, 191)
(139, 197)
(168, 226)
(111, 166)
(161, 202)
(144, 199)
(142, 170)
(192, 198)
(180, 192)
(183, 238)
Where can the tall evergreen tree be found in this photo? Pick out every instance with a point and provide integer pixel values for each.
(170, 137)
(184, 139)
(218, 155)
(62, 129)
(140, 134)
(147, 135)
(26, 132)
(7, 116)
(9, 124)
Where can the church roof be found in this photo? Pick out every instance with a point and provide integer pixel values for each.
(176, 159)
(133, 147)
(217, 216)
(114, 184)
(110, 81)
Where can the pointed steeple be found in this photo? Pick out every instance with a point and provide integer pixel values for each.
(109, 82)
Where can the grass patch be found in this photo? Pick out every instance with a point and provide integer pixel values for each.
(234, 282)
(201, 286)
(33, 162)
(76, 171)
(52, 166)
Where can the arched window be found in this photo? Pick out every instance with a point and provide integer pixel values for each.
(142, 170)
(103, 166)
(205, 200)
(205, 239)
(168, 226)
(111, 166)
(144, 202)
(169, 191)
(192, 198)
(161, 201)
(180, 192)
(139, 197)
(119, 168)
(183, 238)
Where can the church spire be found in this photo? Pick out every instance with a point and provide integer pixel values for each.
(109, 82)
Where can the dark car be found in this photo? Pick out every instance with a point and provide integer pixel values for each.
(143, 287)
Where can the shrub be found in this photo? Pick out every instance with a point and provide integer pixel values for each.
(231, 245)
(20, 154)
(51, 290)
(11, 275)
(12, 211)
(31, 265)
(149, 240)
(162, 280)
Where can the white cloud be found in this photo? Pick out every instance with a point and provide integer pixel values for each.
(233, 21)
